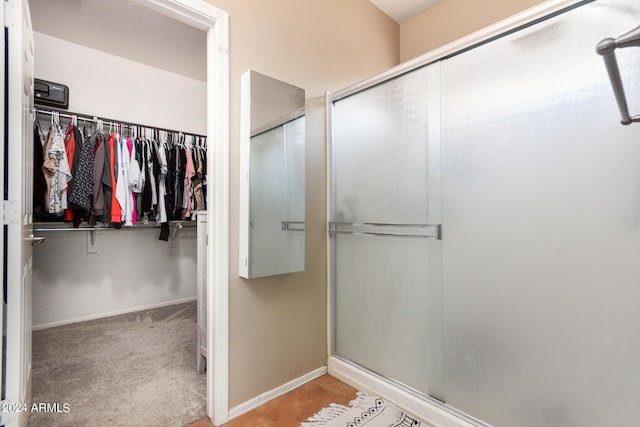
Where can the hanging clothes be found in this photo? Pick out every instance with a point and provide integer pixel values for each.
(39, 181)
(190, 172)
(123, 195)
(111, 172)
(173, 180)
(157, 176)
(135, 178)
(169, 179)
(163, 168)
(203, 156)
(56, 171)
(152, 165)
(70, 148)
(197, 180)
(181, 161)
(149, 192)
(145, 206)
(81, 187)
(98, 144)
(140, 185)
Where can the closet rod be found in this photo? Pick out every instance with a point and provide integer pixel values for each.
(88, 118)
(73, 229)
(63, 227)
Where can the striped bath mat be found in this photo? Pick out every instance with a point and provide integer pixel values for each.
(365, 411)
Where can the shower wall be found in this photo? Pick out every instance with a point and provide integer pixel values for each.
(533, 320)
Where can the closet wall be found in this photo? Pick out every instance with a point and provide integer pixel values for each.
(132, 269)
(111, 86)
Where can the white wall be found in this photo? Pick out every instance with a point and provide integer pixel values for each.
(132, 269)
(117, 88)
(126, 29)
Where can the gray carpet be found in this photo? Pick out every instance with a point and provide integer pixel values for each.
(136, 369)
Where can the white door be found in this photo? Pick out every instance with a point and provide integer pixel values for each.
(18, 189)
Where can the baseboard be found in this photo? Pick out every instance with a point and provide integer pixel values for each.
(111, 313)
(279, 391)
(429, 413)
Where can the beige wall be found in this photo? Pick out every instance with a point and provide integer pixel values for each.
(278, 324)
(452, 19)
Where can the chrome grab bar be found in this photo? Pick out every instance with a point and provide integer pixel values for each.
(607, 48)
(416, 231)
(292, 226)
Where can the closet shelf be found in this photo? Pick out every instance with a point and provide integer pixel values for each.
(57, 226)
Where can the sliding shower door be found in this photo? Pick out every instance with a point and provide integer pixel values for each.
(541, 212)
(526, 313)
(384, 226)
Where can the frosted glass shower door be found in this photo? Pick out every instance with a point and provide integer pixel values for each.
(541, 212)
(385, 204)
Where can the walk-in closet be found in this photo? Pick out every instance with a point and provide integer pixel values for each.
(115, 293)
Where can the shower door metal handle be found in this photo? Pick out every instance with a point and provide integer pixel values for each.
(607, 48)
(292, 226)
(415, 231)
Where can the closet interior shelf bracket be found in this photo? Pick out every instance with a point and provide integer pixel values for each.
(92, 241)
(174, 232)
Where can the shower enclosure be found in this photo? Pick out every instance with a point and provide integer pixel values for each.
(485, 226)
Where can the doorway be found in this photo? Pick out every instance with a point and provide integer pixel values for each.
(213, 22)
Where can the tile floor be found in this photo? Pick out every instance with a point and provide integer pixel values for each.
(294, 407)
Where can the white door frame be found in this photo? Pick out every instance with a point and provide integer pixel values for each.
(2, 124)
(204, 16)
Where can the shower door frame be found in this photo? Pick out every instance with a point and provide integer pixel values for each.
(421, 406)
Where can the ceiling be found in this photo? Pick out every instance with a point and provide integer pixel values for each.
(403, 10)
(126, 29)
